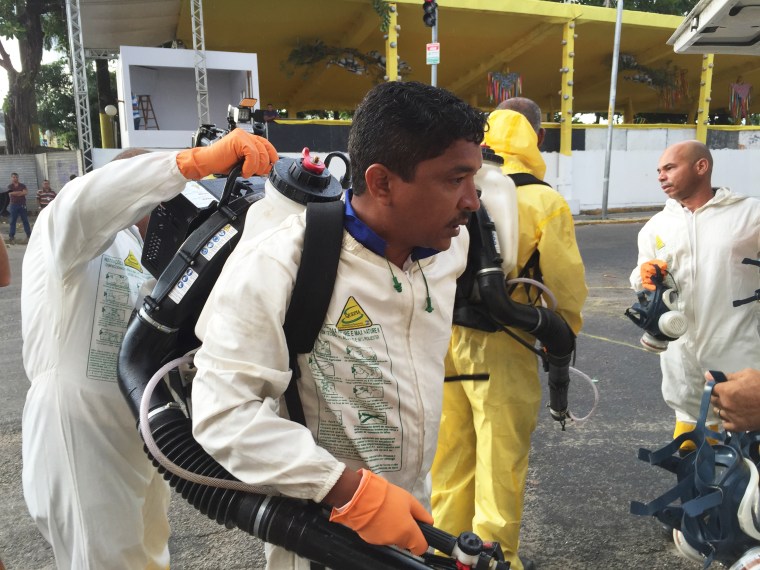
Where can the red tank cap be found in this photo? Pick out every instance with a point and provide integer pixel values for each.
(312, 164)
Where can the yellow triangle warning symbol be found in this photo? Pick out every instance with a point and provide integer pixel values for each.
(132, 261)
(353, 316)
(659, 244)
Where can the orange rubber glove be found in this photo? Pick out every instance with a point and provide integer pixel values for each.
(220, 157)
(385, 514)
(648, 271)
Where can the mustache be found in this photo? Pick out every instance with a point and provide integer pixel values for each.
(462, 219)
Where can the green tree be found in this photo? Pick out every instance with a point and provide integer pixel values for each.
(676, 7)
(56, 110)
(36, 24)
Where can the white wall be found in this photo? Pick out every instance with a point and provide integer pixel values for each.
(168, 76)
(633, 167)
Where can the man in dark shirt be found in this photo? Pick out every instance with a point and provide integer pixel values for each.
(17, 193)
(270, 113)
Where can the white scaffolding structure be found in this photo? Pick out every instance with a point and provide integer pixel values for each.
(79, 76)
(199, 45)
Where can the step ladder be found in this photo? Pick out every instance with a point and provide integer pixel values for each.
(146, 110)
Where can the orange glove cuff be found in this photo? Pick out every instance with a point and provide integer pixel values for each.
(383, 513)
(648, 270)
(257, 154)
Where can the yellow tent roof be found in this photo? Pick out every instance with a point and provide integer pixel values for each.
(476, 37)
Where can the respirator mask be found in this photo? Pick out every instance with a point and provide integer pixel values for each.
(656, 312)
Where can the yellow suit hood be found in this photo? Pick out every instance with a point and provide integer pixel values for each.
(512, 137)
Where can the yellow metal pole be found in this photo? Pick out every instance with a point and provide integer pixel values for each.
(391, 45)
(566, 93)
(106, 131)
(705, 86)
(629, 114)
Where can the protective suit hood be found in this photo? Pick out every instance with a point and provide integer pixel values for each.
(513, 138)
(723, 197)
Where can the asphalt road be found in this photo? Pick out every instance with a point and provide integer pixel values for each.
(581, 481)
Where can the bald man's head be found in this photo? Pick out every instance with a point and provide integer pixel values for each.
(684, 173)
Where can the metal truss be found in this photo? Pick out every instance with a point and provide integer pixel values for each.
(199, 45)
(92, 53)
(79, 75)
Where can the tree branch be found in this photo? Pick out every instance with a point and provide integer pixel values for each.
(5, 60)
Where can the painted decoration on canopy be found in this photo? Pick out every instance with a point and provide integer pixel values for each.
(503, 86)
(669, 81)
(738, 105)
(372, 63)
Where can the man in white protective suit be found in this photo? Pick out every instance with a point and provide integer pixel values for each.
(91, 489)
(371, 389)
(699, 240)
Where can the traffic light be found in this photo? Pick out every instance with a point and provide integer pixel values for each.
(431, 8)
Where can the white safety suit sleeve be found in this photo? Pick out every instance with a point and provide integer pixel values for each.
(243, 371)
(88, 213)
(646, 249)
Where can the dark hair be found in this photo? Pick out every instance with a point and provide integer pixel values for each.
(400, 124)
(14, 173)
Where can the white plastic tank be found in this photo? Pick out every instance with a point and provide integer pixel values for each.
(292, 184)
(499, 195)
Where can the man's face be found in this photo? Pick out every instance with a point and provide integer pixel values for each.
(45, 185)
(429, 210)
(14, 178)
(678, 173)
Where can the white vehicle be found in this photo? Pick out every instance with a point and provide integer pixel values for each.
(720, 26)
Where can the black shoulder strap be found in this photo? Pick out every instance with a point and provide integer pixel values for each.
(524, 178)
(313, 289)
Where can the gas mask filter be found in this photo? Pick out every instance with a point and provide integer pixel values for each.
(656, 312)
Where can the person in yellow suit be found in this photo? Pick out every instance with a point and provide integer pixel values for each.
(493, 392)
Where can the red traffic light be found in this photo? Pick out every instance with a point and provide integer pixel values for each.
(431, 10)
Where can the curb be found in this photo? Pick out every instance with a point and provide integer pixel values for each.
(640, 220)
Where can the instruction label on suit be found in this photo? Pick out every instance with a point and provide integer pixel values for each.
(119, 283)
(359, 416)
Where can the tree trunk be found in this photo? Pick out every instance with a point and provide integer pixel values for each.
(21, 120)
(22, 111)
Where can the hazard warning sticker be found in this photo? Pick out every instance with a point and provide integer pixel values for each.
(132, 261)
(183, 285)
(215, 243)
(353, 316)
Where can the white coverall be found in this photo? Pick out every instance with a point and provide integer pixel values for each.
(87, 482)
(482, 460)
(371, 389)
(704, 252)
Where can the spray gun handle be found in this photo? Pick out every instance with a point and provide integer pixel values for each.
(229, 186)
(438, 539)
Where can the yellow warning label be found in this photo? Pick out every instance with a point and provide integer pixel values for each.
(353, 316)
(132, 261)
(659, 244)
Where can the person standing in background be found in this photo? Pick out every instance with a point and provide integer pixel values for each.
(136, 114)
(481, 463)
(17, 193)
(270, 114)
(45, 194)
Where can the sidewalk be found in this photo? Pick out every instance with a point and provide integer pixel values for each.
(616, 215)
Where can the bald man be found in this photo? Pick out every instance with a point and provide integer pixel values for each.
(700, 238)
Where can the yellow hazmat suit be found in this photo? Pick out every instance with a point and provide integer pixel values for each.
(482, 458)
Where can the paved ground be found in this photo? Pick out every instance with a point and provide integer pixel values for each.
(580, 482)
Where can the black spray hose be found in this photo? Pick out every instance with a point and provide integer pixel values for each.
(299, 526)
(161, 331)
(548, 327)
